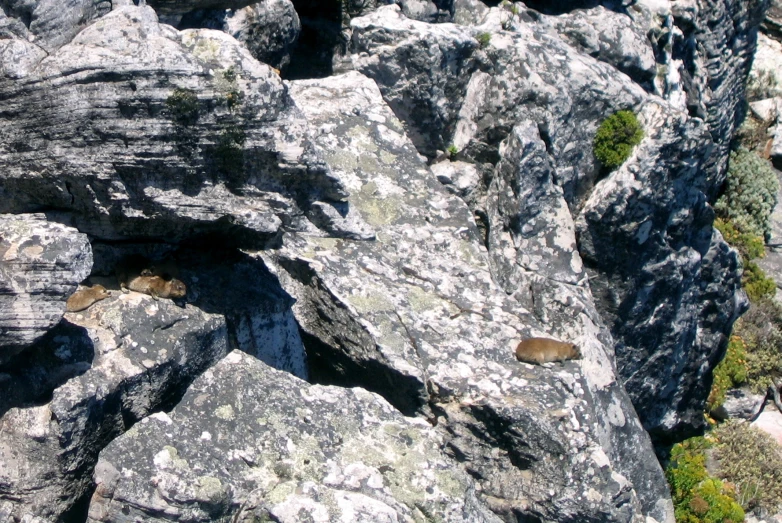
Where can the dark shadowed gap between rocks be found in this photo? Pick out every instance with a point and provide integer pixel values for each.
(321, 34)
(29, 380)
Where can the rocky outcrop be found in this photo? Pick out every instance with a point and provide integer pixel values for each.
(534, 100)
(114, 364)
(397, 229)
(269, 29)
(41, 264)
(250, 443)
(160, 134)
(429, 330)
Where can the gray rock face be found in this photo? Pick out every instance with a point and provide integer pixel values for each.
(156, 133)
(185, 6)
(431, 332)
(269, 29)
(41, 264)
(249, 443)
(134, 356)
(532, 107)
(51, 24)
(423, 76)
(610, 37)
(645, 234)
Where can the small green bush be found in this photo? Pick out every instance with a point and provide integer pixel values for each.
(452, 151)
(729, 373)
(750, 246)
(183, 106)
(483, 39)
(750, 194)
(751, 460)
(697, 497)
(616, 137)
(762, 85)
(761, 330)
(756, 284)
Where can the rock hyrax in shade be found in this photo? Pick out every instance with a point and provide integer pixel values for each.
(136, 273)
(83, 298)
(545, 350)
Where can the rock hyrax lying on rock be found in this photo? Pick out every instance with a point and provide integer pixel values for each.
(157, 287)
(83, 298)
(545, 350)
(136, 273)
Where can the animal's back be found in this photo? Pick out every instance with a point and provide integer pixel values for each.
(545, 350)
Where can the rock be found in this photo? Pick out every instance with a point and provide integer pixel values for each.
(42, 264)
(50, 24)
(421, 69)
(770, 422)
(112, 365)
(765, 110)
(159, 134)
(610, 37)
(169, 7)
(646, 237)
(772, 24)
(248, 442)
(741, 404)
(429, 330)
(269, 29)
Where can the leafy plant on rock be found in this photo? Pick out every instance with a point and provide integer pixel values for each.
(615, 139)
(183, 106)
(750, 193)
(751, 460)
(697, 497)
(729, 373)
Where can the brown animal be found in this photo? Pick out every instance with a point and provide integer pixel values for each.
(157, 287)
(83, 298)
(545, 350)
(136, 273)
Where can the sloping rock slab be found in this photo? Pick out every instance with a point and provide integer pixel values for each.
(145, 353)
(136, 129)
(41, 264)
(416, 317)
(249, 443)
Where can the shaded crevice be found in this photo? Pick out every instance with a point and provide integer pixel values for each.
(329, 365)
(29, 380)
(321, 35)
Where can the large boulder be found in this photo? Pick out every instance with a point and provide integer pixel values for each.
(269, 29)
(248, 443)
(154, 133)
(41, 264)
(526, 118)
(416, 317)
(88, 382)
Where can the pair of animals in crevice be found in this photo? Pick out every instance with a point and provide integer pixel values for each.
(134, 273)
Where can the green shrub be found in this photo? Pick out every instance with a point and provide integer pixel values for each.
(616, 137)
(756, 284)
(697, 497)
(452, 151)
(750, 246)
(762, 85)
(731, 372)
(483, 39)
(751, 460)
(750, 194)
(183, 106)
(761, 330)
